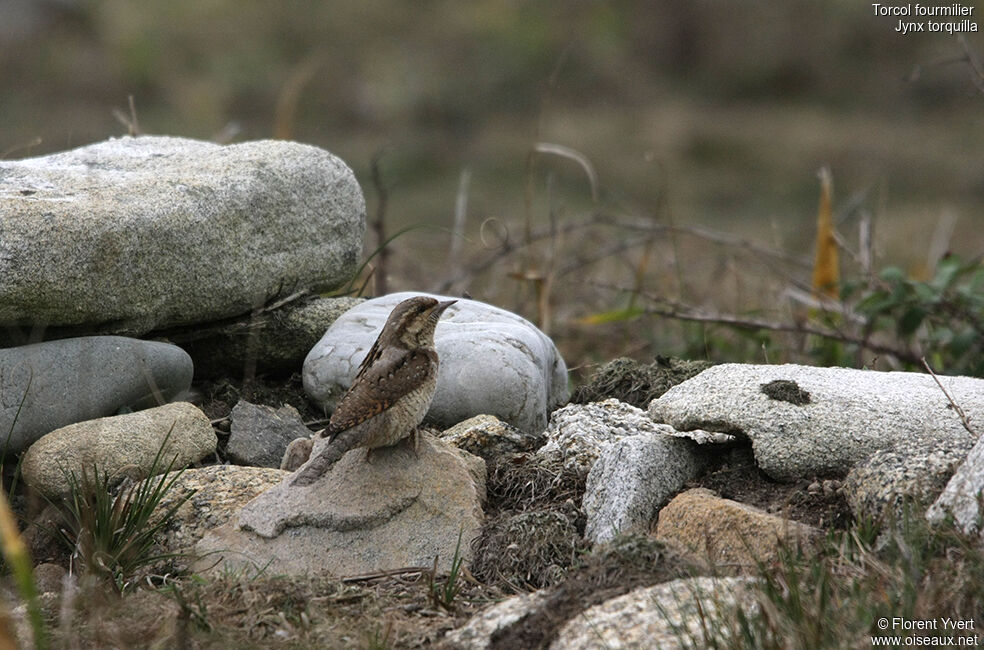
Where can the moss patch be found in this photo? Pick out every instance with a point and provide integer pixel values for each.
(784, 390)
(636, 383)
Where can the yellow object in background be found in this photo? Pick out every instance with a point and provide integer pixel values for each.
(826, 269)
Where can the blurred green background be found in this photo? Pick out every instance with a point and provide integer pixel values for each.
(692, 112)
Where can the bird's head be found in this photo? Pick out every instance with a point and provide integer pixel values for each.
(412, 322)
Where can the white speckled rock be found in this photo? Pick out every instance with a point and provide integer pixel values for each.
(821, 420)
(962, 495)
(134, 234)
(123, 446)
(913, 473)
(632, 479)
(578, 433)
(492, 362)
(49, 385)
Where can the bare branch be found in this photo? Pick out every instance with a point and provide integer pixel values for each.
(678, 311)
(379, 224)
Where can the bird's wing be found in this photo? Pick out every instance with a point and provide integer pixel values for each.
(371, 357)
(394, 374)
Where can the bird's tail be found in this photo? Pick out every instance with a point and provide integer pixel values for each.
(316, 466)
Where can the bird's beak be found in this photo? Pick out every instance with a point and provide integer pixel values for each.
(441, 306)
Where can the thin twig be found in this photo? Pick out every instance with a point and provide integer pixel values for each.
(379, 224)
(386, 574)
(956, 407)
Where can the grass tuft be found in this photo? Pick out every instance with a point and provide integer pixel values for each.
(113, 535)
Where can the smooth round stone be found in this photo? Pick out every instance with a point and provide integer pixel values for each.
(49, 385)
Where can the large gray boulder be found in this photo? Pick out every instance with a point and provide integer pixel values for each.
(122, 446)
(45, 386)
(134, 234)
(399, 510)
(493, 362)
(806, 421)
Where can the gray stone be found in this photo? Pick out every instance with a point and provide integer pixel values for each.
(806, 421)
(666, 616)
(492, 362)
(269, 342)
(123, 446)
(729, 534)
(135, 234)
(961, 497)
(488, 437)
(913, 474)
(259, 435)
(632, 479)
(45, 386)
(396, 511)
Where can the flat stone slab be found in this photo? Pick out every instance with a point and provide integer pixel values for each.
(398, 510)
(134, 234)
(806, 421)
(49, 385)
(493, 362)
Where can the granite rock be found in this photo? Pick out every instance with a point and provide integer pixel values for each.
(122, 446)
(150, 232)
(632, 479)
(961, 497)
(727, 533)
(806, 421)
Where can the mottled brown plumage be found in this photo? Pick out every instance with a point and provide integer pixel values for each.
(392, 390)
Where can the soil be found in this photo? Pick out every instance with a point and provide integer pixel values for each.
(531, 541)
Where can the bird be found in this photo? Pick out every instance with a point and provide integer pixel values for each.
(391, 392)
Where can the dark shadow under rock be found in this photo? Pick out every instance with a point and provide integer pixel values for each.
(636, 383)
